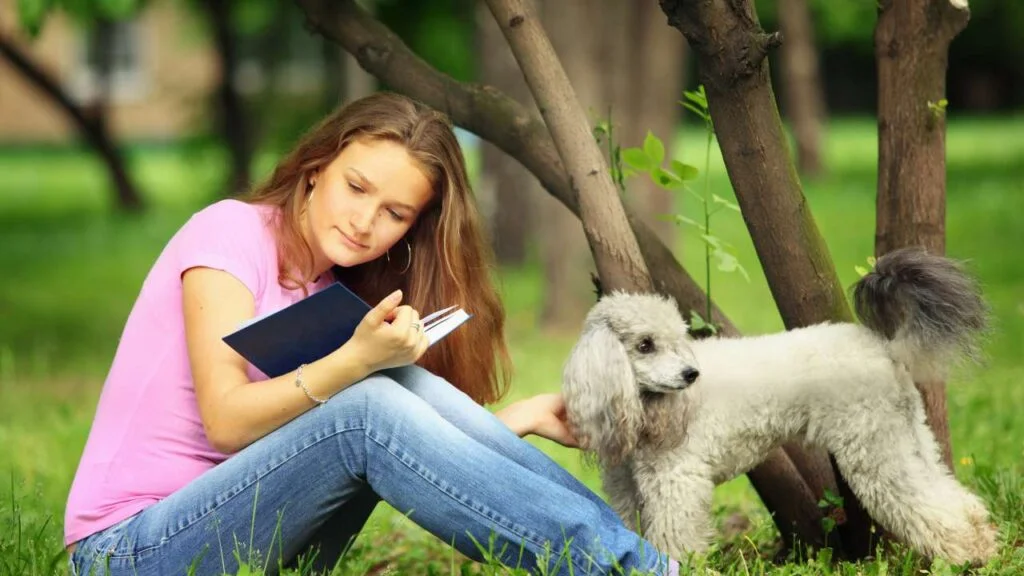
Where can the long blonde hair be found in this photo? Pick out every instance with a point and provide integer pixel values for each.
(451, 261)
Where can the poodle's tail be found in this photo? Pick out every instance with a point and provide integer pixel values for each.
(931, 312)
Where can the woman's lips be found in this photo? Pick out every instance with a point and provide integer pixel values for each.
(352, 243)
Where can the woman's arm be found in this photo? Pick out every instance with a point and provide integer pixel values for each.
(234, 411)
(542, 415)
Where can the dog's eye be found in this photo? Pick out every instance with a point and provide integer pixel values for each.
(646, 346)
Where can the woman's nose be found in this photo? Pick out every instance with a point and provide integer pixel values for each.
(361, 220)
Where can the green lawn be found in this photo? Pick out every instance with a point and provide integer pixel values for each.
(72, 268)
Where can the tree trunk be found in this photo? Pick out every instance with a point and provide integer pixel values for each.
(520, 134)
(912, 39)
(731, 50)
(804, 97)
(618, 258)
(512, 189)
(92, 128)
(233, 124)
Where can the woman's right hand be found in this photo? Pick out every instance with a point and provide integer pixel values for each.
(386, 336)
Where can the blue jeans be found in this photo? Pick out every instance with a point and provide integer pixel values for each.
(404, 436)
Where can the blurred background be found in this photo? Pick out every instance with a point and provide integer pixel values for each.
(114, 129)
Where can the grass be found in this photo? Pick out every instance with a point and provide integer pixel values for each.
(72, 269)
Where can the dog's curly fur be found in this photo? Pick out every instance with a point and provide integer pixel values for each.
(663, 444)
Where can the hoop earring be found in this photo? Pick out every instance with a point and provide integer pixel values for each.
(408, 247)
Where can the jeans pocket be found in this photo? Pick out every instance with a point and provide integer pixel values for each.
(94, 549)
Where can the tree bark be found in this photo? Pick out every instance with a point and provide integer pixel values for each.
(616, 253)
(92, 128)
(731, 50)
(511, 127)
(234, 127)
(912, 39)
(803, 95)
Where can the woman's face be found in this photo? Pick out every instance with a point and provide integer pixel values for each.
(363, 203)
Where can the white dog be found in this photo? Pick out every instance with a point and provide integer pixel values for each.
(668, 418)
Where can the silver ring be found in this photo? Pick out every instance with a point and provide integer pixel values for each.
(416, 326)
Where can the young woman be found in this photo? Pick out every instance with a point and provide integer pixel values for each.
(195, 459)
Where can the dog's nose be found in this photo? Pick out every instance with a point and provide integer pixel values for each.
(690, 375)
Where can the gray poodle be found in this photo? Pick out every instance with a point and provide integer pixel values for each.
(668, 418)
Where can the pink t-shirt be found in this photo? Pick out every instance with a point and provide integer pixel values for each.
(147, 439)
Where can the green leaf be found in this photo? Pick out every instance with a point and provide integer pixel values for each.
(702, 114)
(117, 9)
(684, 171)
(667, 180)
(862, 271)
(828, 524)
(833, 498)
(698, 97)
(252, 17)
(696, 320)
(654, 148)
(680, 219)
(637, 159)
(727, 262)
(84, 12)
(742, 271)
(713, 241)
(719, 200)
(32, 14)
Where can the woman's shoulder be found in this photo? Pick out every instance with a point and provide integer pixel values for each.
(230, 214)
(230, 235)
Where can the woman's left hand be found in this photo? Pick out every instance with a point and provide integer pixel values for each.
(543, 415)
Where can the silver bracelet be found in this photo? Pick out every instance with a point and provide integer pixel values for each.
(300, 384)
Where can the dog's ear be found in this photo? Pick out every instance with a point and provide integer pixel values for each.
(601, 396)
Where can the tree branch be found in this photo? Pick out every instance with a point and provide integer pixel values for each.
(619, 262)
(91, 128)
(41, 80)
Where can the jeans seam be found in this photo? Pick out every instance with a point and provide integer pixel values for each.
(243, 488)
(502, 521)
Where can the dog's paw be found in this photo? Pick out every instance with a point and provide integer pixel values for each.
(975, 547)
(986, 544)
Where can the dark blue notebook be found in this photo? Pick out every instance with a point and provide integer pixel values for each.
(302, 332)
(315, 326)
